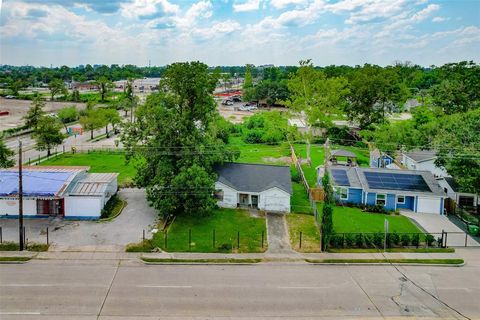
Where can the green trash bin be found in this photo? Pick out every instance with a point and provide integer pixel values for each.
(473, 230)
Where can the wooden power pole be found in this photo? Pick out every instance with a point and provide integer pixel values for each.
(20, 197)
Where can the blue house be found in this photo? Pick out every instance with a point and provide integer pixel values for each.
(417, 191)
(379, 159)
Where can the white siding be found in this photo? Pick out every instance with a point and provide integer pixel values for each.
(428, 165)
(429, 205)
(10, 207)
(83, 206)
(274, 199)
(229, 196)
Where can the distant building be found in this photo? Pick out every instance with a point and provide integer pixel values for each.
(411, 103)
(84, 86)
(69, 192)
(423, 160)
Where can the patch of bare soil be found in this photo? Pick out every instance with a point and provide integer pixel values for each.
(286, 160)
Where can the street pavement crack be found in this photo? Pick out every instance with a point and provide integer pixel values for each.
(108, 291)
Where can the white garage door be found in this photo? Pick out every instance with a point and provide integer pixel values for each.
(429, 205)
(275, 204)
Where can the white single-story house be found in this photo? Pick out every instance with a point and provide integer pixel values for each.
(264, 187)
(423, 160)
(417, 191)
(69, 192)
(462, 199)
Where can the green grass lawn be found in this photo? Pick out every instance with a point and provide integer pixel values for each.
(310, 234)
(260, 153)
(317, 154)
(226, 223)
(354, 220)
(98, 162)
(299, 200)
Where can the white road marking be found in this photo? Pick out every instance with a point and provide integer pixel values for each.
(168, 287)
(19, 313)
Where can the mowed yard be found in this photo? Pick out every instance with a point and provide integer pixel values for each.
(224, 230)
(260, 153)
(354, 220)
(98, 162)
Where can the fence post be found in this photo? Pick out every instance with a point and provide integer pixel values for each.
(442, 239)
(466, 237)
(300, 240)
(143, 235)
(47, 237)
(238, 239)
(343, 240)
(1, 235)
(189, 239)
(165, 239)
(213, 239)
(446, 239)
(262, 238)
(63, 148)
(24, 236)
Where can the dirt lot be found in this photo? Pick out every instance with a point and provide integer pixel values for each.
(18, 109)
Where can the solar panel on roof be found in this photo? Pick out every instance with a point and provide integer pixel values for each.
(340, 177)
(396, 181)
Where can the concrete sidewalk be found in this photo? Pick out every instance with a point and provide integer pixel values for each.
(300, 257)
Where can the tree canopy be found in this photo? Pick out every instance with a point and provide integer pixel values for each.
(174, 134)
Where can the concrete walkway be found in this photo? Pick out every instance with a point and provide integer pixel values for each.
(298, 257)
(435, 223)
(277, 235)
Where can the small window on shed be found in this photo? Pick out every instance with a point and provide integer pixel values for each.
(381, 199)
(218, 195)
(400, 199)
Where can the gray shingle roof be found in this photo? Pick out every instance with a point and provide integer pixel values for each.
(421, 155)
(343, 153)
(254, 177)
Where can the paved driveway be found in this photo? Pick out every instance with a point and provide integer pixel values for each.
(126, 228)
(435, 223)
(277, 234)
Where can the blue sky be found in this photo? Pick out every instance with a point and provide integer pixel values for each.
(236, 32)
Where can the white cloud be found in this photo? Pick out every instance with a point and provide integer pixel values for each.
(440, 19)
(248, 5)
(217, 30)
(280, 4)
(148, 8)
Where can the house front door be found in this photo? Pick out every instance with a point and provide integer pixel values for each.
(243, 199)
(254, 201)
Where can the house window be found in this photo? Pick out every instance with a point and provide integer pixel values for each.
(218, 195)
(381, 199)
(343, 193)
(400, 199)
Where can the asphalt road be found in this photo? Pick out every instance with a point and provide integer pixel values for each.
(57, 289)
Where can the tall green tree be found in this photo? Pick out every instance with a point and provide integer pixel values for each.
(92, 120)
(34, 113)
(458, 149)
(5, 155)
(327, 210)
(104, 86)
(177, 170)
(110, 117)
(67, 115)
(57, 86)
(248, 89)
(48, 135)
(15, 86)
(320, 98)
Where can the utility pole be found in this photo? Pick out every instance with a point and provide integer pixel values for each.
(20, 196)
